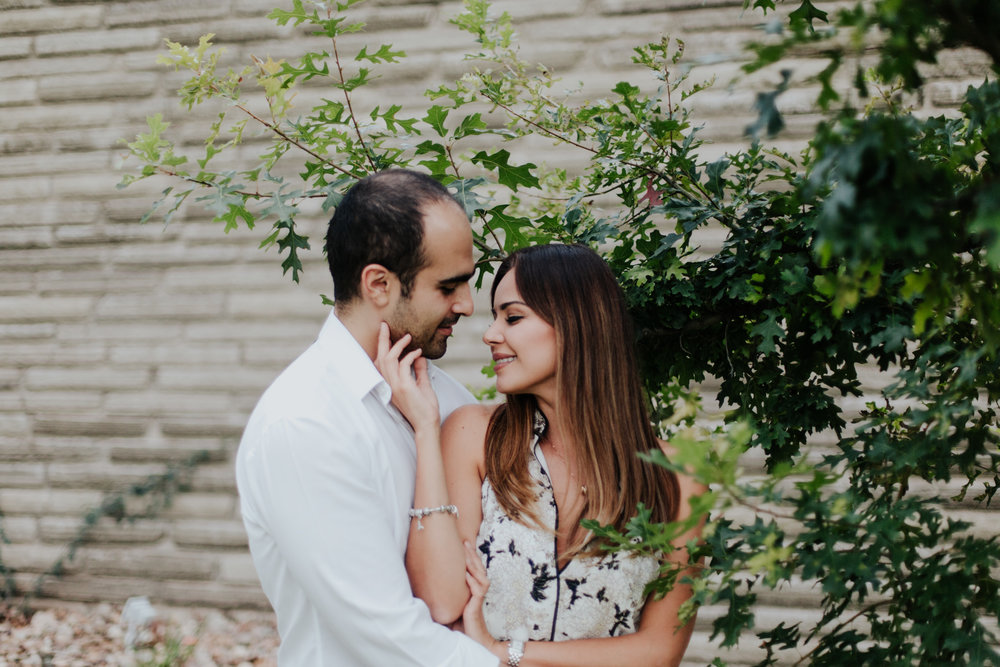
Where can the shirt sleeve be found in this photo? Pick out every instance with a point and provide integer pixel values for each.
(318, 495)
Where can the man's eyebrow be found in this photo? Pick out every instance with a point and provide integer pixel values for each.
(464, 278)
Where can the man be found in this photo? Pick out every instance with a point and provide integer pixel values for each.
(326, 466)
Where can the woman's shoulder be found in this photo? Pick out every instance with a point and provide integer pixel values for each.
(473, 415)
(463, 433)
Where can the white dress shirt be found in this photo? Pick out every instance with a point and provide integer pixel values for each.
(325, 473)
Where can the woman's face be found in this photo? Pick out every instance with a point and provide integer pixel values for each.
(523, 345)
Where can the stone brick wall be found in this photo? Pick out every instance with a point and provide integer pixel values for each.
(125, 348)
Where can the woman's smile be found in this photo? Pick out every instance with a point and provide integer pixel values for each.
(501, 360)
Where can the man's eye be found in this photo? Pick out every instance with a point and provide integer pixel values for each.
(447, 290)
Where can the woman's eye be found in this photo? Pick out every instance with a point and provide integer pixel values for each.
(514, 318)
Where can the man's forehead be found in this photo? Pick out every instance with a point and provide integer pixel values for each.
(442, 211)
(442, 272)
(447, 243)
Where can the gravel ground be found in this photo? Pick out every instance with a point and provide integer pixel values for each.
(77, 635)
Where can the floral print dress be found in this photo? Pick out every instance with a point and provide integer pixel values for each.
(530, 597)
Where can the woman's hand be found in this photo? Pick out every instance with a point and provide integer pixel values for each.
(412, 393)
(474, 625)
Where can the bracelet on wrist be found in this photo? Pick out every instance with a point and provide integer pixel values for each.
(421, 512)
(515, 651)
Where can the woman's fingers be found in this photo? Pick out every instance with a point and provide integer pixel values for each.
(388, 359)
(472, 558)
(475, 587)
(408, 378)
(386, 350)
(411, 356)
(402, 377)
(383, 339)
(420, 371)
(400, 345)
(475, 570)
(473, 622)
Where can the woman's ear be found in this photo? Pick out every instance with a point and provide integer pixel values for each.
(378, 285)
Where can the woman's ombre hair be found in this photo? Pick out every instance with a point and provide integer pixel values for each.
(600, 399)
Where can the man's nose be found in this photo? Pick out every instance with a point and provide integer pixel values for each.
(463, 301)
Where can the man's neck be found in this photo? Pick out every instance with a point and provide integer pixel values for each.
(362, 324)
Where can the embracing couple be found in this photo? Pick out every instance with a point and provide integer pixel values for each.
(385, 508)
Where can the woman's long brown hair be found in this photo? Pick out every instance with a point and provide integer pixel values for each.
(600, 401)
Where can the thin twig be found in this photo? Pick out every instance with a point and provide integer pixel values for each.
(861, 612)
(274, 127)
(482, 216)
(350, 107)
(242, 193)
(560, 137)
(758, 509)
(277, 130)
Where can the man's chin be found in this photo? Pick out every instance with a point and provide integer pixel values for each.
(436, 347)
(433, 347)
(435, 351)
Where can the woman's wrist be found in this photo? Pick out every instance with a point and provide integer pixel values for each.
(499, 649)
(510, 653)
(427, 431)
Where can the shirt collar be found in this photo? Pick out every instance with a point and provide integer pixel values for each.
(358, 373)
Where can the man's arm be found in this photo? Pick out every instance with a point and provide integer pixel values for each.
(321, 504)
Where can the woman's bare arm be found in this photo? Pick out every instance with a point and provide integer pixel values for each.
(449, 464)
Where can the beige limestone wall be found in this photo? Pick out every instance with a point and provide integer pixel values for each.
(128, 347)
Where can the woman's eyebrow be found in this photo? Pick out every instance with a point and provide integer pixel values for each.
(505, 305)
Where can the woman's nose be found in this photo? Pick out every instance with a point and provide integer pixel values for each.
(492, 335)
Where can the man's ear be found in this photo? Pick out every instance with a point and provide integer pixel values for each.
(378, 285)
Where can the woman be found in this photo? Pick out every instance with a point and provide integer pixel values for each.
(512, 482)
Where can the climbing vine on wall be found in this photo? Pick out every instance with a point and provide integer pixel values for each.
(154, 494)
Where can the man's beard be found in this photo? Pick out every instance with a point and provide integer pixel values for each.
(431, 344)
(434, 344)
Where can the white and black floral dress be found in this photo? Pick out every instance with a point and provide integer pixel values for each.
(530, 597)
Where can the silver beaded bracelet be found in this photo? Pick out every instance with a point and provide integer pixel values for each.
(420, 513)
(515, 651)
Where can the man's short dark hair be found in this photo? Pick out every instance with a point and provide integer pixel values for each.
(380, 221)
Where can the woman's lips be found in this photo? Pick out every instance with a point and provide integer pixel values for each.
(501, 360)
